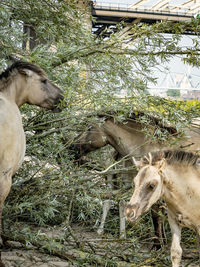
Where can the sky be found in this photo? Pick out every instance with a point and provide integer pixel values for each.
(177, 67)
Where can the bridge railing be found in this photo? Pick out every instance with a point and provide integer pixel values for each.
(127, 8)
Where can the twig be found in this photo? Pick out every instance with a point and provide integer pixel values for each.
(70, 207)
(78, 243)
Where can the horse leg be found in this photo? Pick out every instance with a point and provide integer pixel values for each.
(122, 205)
(128, 177)
(158, 226)
(109, 177)
(106, 207)
(1, 237)
(1, 228)
(110, 181)
(5, 185)
(176, 250)
(198, 241)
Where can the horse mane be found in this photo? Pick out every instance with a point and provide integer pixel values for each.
(20, 65)
(172, 157)
(137, 115)
(154, 121)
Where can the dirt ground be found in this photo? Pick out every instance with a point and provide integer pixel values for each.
(32, 258)
(29, 256)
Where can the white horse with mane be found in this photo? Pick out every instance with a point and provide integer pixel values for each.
(175, 177)
(21, 83)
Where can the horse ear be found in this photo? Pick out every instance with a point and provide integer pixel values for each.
(137, 163)
(26, 72)
(161, 165)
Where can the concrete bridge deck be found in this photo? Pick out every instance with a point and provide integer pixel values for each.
(107, 14)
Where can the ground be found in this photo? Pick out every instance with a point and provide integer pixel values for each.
(100, 247)
(30, 258)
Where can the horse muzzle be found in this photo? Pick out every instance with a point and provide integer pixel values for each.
(131, 212)
(57, 101)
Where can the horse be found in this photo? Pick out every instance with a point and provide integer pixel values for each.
(174, 177)
(20, 83)
(129, 138)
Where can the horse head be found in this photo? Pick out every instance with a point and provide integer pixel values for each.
(148, 187)
(33, 86)
(90, 140)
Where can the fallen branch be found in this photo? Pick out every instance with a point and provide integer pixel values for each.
(68, 254)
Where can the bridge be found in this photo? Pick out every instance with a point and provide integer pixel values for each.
(187, 84)
(107, 15)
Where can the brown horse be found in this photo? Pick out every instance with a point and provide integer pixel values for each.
(21, 83)
(129, 138)
(173, 176)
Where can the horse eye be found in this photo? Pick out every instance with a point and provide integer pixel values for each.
(44, 81)
(151, 186)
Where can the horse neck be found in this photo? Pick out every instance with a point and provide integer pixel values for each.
(177, 179)
(183, 196)
(123, 137)
(12, 90)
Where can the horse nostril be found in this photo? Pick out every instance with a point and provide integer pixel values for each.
(130, 211)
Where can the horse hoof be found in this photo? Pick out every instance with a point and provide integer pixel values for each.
(122, 236)
(100, 231)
